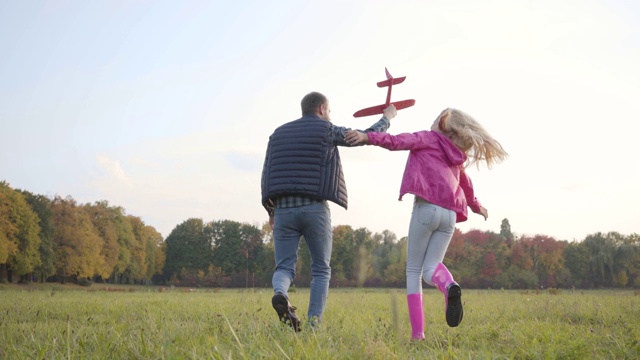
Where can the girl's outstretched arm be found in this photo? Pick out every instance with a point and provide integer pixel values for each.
(404, 141)
(472, 201)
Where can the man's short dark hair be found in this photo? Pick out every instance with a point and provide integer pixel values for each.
(311, 102)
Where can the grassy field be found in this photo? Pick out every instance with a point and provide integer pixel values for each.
(67, 322)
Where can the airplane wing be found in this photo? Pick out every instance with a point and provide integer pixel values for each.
(378, 109)
(392, 81)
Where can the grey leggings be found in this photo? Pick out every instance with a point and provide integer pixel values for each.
(430, 232)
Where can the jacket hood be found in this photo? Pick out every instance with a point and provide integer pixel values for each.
(455, 155)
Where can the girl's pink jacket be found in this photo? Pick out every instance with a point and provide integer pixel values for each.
(434, 170)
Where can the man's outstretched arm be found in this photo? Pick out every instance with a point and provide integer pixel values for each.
(381, 125)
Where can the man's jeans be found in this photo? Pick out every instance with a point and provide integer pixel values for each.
(314, 223)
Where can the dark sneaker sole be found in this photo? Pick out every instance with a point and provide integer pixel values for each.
(285, 312)
(454, 305)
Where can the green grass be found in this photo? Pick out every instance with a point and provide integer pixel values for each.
(145, 323)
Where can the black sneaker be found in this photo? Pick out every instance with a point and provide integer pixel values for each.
(454, 310)
(286, 312)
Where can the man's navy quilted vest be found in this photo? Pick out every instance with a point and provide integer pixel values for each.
(301, 160)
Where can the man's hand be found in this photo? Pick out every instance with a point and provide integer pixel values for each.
(355, 137)
(390, 112)
(484, 212)
(270, 206)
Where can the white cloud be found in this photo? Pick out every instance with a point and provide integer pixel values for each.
(113, 171)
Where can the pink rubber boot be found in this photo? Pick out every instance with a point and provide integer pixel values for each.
(452, 294)
(416, 316)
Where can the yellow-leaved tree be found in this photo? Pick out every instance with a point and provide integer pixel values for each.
(19, 240)
(77, 240)
(103, 218)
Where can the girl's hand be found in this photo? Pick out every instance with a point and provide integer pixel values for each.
(355, 137)
(484, 212)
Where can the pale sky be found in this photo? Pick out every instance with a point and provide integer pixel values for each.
(165, 107)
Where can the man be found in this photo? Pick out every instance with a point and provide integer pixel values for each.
(302, 171)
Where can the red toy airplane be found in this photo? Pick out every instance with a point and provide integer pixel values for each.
(379, 108)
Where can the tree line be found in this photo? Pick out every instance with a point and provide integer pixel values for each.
(44, 239)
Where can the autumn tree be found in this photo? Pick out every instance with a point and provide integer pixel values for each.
(18, 234)
(490, 269)
(465, 260)
(137, 268)
(126, 241)
(521, 256)
(103, 218)
(154, 252)
(551, 259)
(78, 244)
(41, 206)
(8, 230)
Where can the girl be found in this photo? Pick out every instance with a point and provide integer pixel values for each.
(435, 175)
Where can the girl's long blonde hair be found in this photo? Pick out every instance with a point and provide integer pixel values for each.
(470, 137)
